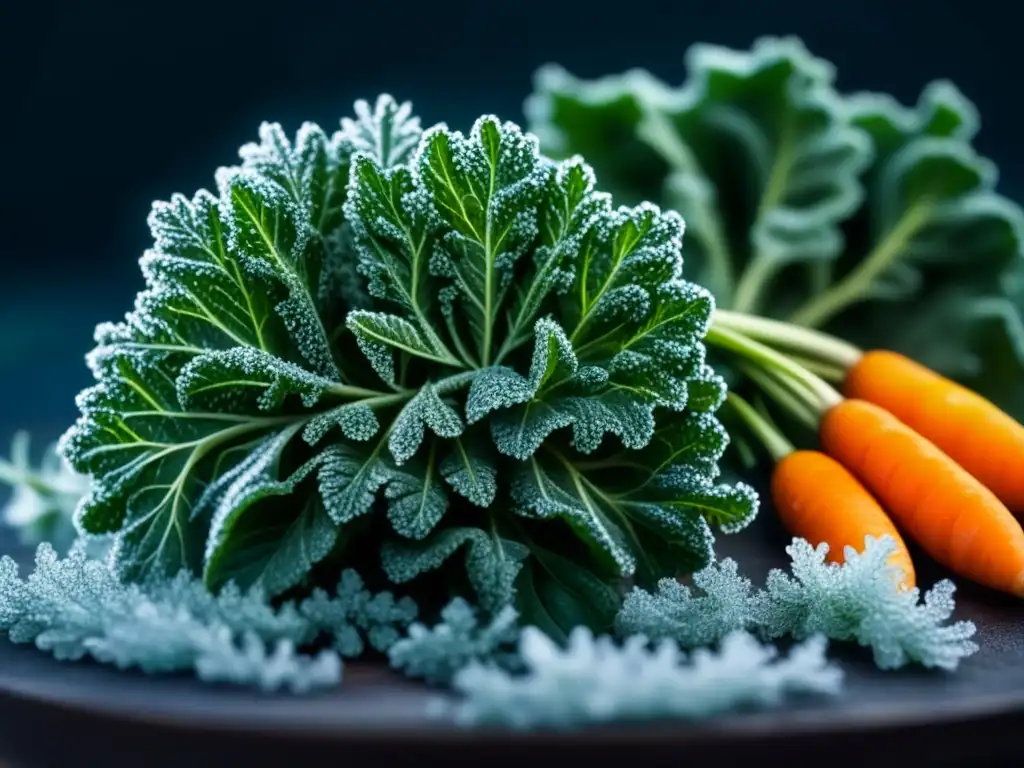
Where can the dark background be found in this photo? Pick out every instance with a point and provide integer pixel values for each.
(110, 105)
(107, 106)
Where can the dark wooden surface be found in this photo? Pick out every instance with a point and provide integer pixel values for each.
(50, 712)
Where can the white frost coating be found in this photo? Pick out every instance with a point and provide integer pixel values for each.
(200, 385)
(425, 409)
(389, 133)
(594, 681)
(357, 421)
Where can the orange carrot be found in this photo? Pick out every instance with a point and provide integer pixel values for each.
(984, 440)
(817, 499)
(935, 501)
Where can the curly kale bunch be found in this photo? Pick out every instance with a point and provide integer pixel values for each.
(443, 353)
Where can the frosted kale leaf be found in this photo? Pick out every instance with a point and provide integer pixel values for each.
(389, 133)
(857, 601)
(437, 653)
(203, 370)
(492, 561)
(43, 498)
(595, 681)
(441, 347)
(937, 236)
(574, 325)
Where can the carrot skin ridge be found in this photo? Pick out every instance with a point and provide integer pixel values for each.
(983, 439)
(819, 500)
(935, 501)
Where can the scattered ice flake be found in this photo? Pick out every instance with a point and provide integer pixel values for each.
(352, 613)
(595, 681)
(859, 601)
(252, 664)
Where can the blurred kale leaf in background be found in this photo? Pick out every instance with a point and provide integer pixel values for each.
(875, 222)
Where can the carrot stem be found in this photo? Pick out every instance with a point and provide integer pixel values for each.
(772, 439)
(827, 371)
(823, 396)
(814, 344)
(787, 393)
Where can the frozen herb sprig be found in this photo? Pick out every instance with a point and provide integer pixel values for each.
(594, 680)
(857, 601)
(437, 653)
(75, 607)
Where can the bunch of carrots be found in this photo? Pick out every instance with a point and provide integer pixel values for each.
(903, 450)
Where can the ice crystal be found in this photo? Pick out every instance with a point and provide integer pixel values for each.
(353, 613)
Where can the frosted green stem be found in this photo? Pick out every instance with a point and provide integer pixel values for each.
(857, 284)
(774, 442)
(821, 396)
(813, 344)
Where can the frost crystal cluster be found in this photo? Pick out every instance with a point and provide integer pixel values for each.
(439, 354)
(594, 680)
(75, 607)
(857, 601)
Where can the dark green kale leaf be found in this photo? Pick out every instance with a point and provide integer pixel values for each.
(415, 344)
